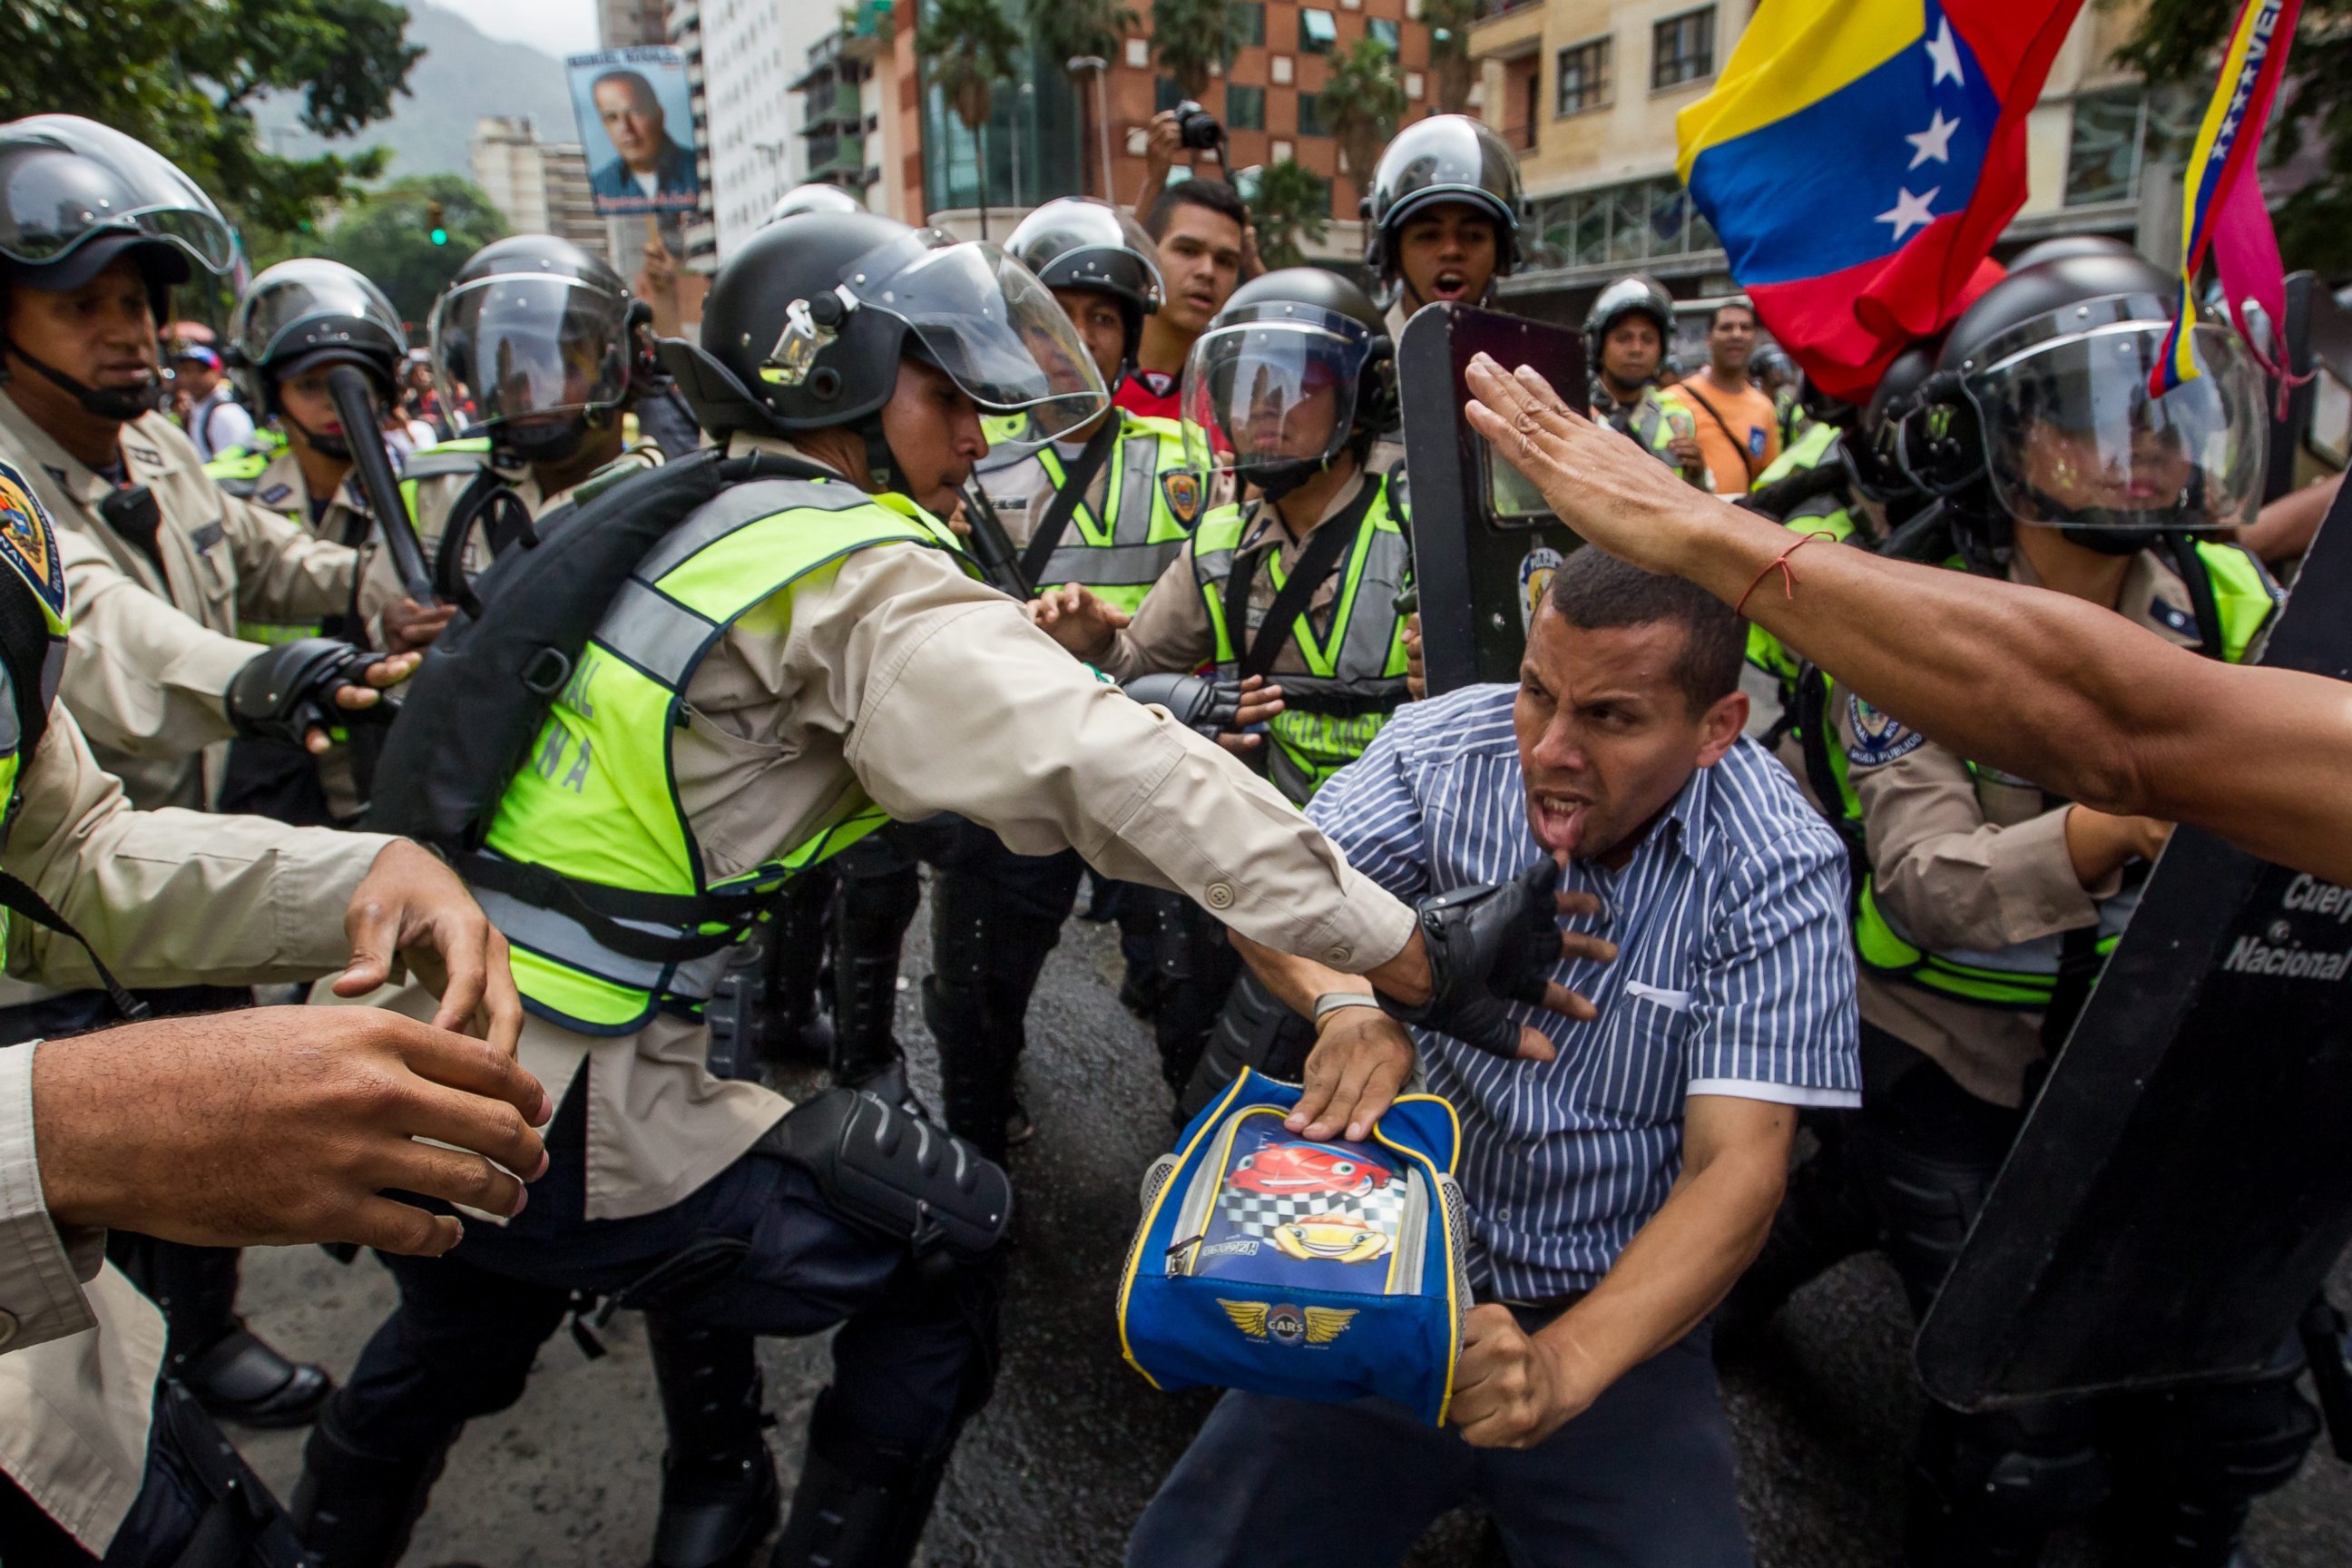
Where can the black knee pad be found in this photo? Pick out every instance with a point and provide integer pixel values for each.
(897, 1176)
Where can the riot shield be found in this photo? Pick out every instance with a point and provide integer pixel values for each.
(1484, 542)
(2312, 436)
(2184, 1183)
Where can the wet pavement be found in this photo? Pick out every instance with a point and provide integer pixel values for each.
(1055, 1471)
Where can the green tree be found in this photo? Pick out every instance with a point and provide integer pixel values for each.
(1193, 40)
(387, 234)
(182, 78)
(1072, 29)
(1448, 22)
(967, 46)
(1361, 101)
(2179, 42)
(1290, 207)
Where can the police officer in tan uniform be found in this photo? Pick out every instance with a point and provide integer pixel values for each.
(160, 566)
(269, 1125)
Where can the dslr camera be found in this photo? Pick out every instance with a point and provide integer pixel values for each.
(1198, 129)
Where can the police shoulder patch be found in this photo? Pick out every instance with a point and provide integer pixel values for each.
(275, 494)
(29, 541)
(1878, 739)
(1182, 489)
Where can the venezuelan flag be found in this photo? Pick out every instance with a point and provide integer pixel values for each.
(1860, 157)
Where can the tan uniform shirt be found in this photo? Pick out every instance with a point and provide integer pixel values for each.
(1171, 631)
(895, 671)
(146, 683)
(171, 898)
(1969, 860)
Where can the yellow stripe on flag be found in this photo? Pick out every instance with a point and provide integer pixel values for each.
(1794, 53)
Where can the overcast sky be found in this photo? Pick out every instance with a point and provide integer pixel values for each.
(559, 26)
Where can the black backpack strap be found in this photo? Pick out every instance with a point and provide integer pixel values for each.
(1323, 550)
(2200, 584)
(20, 896)
(1076, 480)
(601, 911)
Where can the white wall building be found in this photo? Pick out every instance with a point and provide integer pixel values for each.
(752, 51)
(540, 186)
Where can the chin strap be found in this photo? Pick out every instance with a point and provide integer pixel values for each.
(885, 473)
(119, 404)
(336, 447)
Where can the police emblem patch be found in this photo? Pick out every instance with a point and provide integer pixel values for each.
(1878, 739)
(1535, 568)
(29, 541)
(1182, 490)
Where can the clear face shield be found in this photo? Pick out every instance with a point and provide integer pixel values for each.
(979, 316)
(63, 179)
(1273, 398)
(2073, 438)
(532, 347)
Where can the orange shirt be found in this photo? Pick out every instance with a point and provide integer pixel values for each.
(1736, 454)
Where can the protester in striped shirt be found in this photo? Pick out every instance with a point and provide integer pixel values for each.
(1623, 1171)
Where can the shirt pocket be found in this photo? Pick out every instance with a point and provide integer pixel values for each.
(1637, 1069)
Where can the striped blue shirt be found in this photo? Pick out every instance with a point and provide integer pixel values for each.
(1734, 977)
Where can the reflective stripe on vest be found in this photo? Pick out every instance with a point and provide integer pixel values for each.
(1355, 673)
(1121, 556)
(596, 799)
(2025, 975)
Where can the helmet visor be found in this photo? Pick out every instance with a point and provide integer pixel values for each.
(63, 179)
(1446, 161)
(1082, 244)
(298, 307)
(2073, 439)
(532, 344)
(984, 319)
(1259, 395)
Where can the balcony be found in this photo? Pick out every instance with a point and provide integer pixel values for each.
(834, 156)
(833, 105)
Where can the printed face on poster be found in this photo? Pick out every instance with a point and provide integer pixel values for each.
(636, 129)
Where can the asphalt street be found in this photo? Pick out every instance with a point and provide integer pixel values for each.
(1055, 1471)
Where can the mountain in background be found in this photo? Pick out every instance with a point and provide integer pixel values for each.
(464, 74)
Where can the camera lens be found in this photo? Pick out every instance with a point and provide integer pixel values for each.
(1199, 129)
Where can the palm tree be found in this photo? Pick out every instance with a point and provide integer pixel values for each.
(1067, 30)
(1361, 101)
(1290, 207)
(967, 46)
(1193, 40)
(1448, 22)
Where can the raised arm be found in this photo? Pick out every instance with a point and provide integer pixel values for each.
(2092, 706)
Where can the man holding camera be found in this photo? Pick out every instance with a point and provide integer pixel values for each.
(1205, 248)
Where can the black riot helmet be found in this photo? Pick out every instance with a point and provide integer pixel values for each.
(1080, 242)
(805, 326)
(2038, 414)
(1634, 295)
(1444, 158)
(817, 197)
(1296, 369)
(543, 335)
(1872, 448)
(75, 195)
(308, 312)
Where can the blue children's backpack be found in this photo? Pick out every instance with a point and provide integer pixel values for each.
(1315, 1270)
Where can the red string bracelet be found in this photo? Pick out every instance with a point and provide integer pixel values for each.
(1788, 574)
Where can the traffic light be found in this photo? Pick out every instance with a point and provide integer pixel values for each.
(440, 235)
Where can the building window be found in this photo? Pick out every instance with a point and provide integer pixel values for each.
(1583, 77)
(1139, 53)
(1310, 121)
(1281, 152)
(1414, 86)
(2120, 131)
(1640, 220)
(1249, 23)
(1244, 107)
(1386, 30)
(1278, 70)
(1318, 32)
(1682, 48)
(1166, 94)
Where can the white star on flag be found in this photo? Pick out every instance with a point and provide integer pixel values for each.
(1909, 212)
(1946, 52)
(1936, 142)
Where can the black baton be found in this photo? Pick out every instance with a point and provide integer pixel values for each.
(355, 405)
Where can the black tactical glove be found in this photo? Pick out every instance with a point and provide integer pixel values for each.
(1486, 944)
(1195, 701)
(290, 691)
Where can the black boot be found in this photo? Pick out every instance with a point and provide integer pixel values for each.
(356, 1510)
(872, 917)
(718, 1482)
(857, 1505)
(975, 1077)
(234, 1374)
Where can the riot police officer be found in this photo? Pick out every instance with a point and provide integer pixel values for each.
(798, 656)
(296, 322)
(1441, 219)
(95, 229)
(1626, 333)
(1108, 505)
(1293, 595)
(1990, 903)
